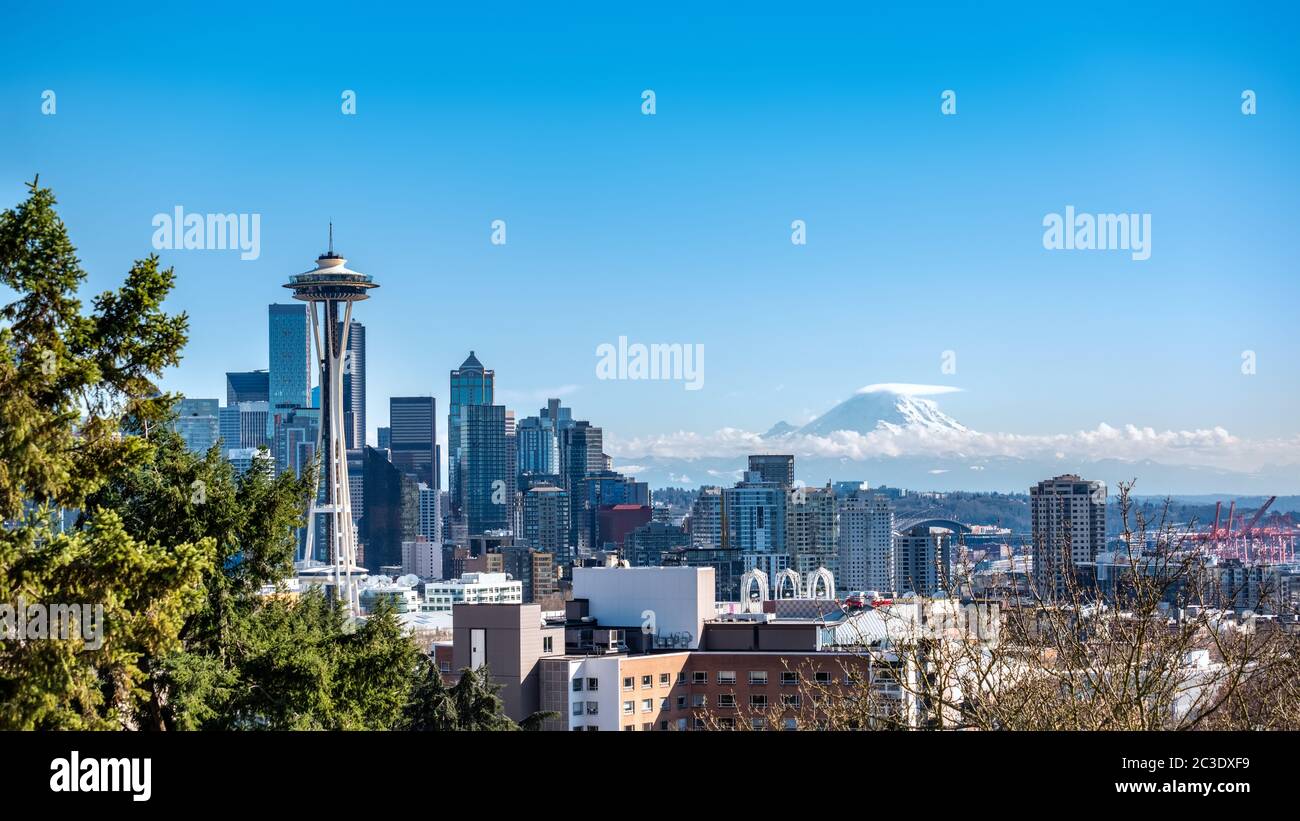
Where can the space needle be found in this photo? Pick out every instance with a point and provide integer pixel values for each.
(331, 285)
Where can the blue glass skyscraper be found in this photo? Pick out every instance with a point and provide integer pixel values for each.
(289, 380)
(471, 384)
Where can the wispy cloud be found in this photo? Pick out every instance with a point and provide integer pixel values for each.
(908, 389)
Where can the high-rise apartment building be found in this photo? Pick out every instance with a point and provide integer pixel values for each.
(1069, 527)
(923, 559)
(812, 529)
(753, 514)
(706, 519)
(866, 551)
(430, 514)
(546, 521)
(581, 454)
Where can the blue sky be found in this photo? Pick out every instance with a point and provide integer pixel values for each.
(924, 231)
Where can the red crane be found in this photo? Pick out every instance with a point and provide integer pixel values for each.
(1258, 514)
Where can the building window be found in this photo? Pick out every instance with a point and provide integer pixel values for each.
(647, 681)
(726, 700)
(758, 723)
(727, 723)
(665, 704)
(681, 724)
(663, 725)
(791, 724)
(593, 708)
(629, 728)
(698, 700)
(758, 677)
(577, 685)
(681, 677)
(647, 705)
(577, 708)
(628, 708)
(681, 702)
(664, 679)
(789, 677)
(627, 682)
(791, 700)
(593, 684)
(758, 700)
(699, 724)
(823, 678)
(699, 677)
(726, 676)
(548, 644)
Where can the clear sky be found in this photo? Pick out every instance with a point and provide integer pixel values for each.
(924, 231)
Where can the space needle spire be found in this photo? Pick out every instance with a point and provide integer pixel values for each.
(329, 288)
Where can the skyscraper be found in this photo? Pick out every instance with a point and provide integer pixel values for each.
(812, 529)
(538, 439)
(354, 386)
(412, 432)
(866, 549)
(198, 423)
(297, 435)
(923, 555)
(248, 386)
(777, 468)
(289, 378)
(706, 519)
(754, 515)
(392, 510)
(1069, 526)
(546, 521)
(484, 468)
(430, 514)
(471, 384)
(581, 454)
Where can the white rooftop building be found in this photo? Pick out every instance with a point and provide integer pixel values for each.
(472, 588)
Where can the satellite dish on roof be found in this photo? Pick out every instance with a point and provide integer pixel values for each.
(409, 580)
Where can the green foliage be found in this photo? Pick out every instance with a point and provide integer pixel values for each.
(191, 641)
(472, 704)
(66, 381)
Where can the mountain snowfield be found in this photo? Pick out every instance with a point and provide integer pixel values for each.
(892, 434)
(880, 408)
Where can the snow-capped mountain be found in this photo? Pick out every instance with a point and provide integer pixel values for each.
(875, 408)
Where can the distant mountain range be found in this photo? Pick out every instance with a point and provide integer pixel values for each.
(893, 420)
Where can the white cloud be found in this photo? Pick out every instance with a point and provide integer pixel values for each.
(1208, 447)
